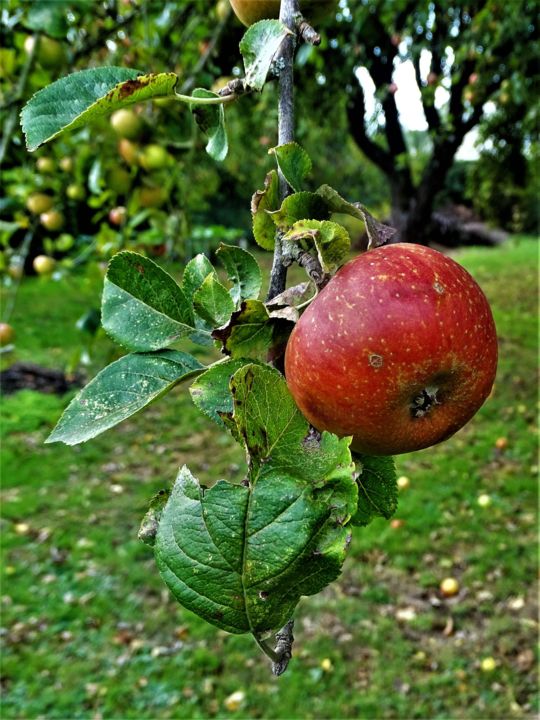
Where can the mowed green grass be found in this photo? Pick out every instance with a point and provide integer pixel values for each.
(90, 631)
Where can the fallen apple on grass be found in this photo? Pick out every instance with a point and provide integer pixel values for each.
(7, 334)
(399, 350)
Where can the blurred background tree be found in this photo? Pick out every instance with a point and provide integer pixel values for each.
(450, 66)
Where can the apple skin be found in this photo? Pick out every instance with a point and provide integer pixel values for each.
(399, 350)
(251, 11)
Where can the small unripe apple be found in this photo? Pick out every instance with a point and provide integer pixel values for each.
(119, 180)
(38, 203)
(251, 11)
(154, 157)
(45, 165)
(7, 334)
(75, 192)
(396, 523)
(129, 152)
(126, 124)
(399, 350)
(501, 443)
(66, 164)
(43, 264)
(50, 53)
(117, 215)
(484, 500)
(52, 220)
(449, 587)
(150, 197)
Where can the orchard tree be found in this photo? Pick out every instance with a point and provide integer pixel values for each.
(396, 351)
(468, 57)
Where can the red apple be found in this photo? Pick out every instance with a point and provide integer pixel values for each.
(399, 350)
(117, 215)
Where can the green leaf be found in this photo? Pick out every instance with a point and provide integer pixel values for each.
(142, 306)
(195, 272)
(377, 232)
(264, 229)
(331, 241)
(121, 390)
(211, 393)
(258, 47)
(300, 206)
(294, 163)
(211, 120)
(83, 96)
(212, 301)
(256, 332)
(241, 556)
(377, 488)
(242, 270)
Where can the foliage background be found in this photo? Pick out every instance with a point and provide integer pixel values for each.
(88, 629)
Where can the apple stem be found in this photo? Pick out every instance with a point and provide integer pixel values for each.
(282, 652)
(307, 33)
(289, 9)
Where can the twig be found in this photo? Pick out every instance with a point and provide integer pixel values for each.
(283, 649)
(11, 120)
(288, 11)
(23, 254)
(305, 31)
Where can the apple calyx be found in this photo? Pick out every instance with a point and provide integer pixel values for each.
(423, 402)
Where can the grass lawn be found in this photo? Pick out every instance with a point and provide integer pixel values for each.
(90, 631)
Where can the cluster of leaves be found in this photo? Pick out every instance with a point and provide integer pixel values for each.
(240, 555)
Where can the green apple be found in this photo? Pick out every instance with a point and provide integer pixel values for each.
(50, 53)
(150, 197)
(45, 165)
(74, 191)
(52, 220)
(43, 264)
(38, 203)
(66, 164)
(154, 157)
(118, 179)
(126, 124)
